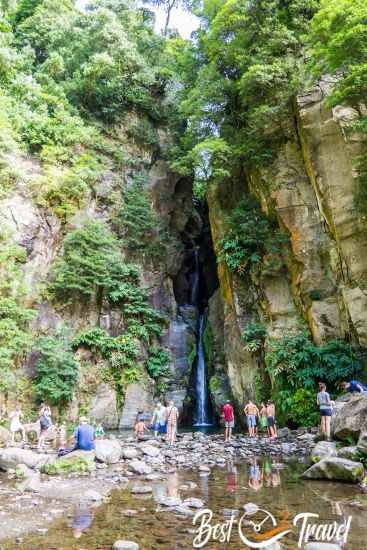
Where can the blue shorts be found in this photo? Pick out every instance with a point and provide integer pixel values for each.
(251, 420)
(161, 428)
(326, 412)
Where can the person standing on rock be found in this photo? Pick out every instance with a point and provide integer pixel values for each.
(159, 420)
(270, 412)
(172, 418)
(228, 413)
(325, 404)
(252, 412)
(16, 424)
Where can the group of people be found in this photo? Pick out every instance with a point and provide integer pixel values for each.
(44, 427)
(263, 418)
(164, 421)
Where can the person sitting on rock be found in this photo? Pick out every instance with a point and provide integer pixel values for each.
(159, 420)
(252, 412)
(84, 436)
(354, 386)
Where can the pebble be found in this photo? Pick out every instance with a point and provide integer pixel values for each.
(125, 545)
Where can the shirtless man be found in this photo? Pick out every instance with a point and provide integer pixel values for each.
(270, 411)
(252, 412)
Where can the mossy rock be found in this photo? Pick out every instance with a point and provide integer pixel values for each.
(66, 465)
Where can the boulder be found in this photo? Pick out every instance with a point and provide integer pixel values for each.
(140, 467)
(130, 452)
(103, 407)
(4, 436)
(30, 484)
(125, 545)
(322, 450)
(141, 489)
(362, 442)
(76, 461)
(108, 450)
(12, 456)
(336, 469)
(22, 471)
(137, 397)
(350, 417)
(150, 450)
(349, 452)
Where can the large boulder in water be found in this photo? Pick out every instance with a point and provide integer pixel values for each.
(336, 469)
(350, 417)
(12, 456)
(323, 449)
(108, 450)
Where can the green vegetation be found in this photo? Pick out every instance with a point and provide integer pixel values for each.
(137, 223)
(296, 364)
(68, 465)
(254, 336)
(157, 363)
(57, 371)
(250, 237)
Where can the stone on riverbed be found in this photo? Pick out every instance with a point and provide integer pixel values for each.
(149, 450)
(323, 449)
(108, 450)
(141, 489)
(193, 502)
(12, 456)
(31, 484)
(350, 417)
(362, 442)
(130, 453)
(336, 469)
(140, 467)
(322, 546)
(349, 452)
(170, 501)
(125, 545)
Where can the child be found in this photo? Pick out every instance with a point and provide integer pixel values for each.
(62, 435)
(263, 417)
(99, 432)
(140, 427)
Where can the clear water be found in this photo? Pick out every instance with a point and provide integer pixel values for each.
(262, 482)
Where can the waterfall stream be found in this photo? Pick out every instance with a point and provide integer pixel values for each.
(202, 400)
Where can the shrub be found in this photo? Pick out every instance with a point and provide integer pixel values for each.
(157, 363)
(254, 336)
(251, 236)
(57, 370)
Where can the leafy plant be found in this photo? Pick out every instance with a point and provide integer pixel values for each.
(249, 238)
(157, 363)
(57, 371)
(254, 336)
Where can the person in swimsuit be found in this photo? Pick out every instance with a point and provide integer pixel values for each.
(252, 412)
(172, 418)
(270, 413)
(159, 420)
(140, 428)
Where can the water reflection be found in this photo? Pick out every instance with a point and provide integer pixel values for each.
(82, 520)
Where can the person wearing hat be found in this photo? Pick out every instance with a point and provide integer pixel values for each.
(84, 435)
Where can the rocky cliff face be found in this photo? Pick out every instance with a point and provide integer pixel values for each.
(310, 188)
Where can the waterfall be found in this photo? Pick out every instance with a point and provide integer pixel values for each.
(202, 401)
(195, 279)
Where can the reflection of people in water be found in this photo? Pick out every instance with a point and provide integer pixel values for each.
(256, 475)
(82, 520)
(271, 475)
(173, 485)
(231, 477)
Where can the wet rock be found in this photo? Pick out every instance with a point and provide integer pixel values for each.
(108, 450)
(140, 467)
(141, 489)
(103, 407)
(336, 469)
(31, 484)
(323, 449)
(350, 417)
(149, 450)
(170, 501)
(194, 502)
(362, 442)
(130, 453)
(12, 456)
(92, 495)
(349, 452)
(22, 471)
(125, 545)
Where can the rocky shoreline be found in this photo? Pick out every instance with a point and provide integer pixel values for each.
(31, 500)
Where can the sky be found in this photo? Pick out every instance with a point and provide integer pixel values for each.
(181, 20)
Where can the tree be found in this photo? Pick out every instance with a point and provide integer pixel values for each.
(168, 6)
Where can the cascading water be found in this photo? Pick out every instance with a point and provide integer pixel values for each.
(202, 400)
(195, 278)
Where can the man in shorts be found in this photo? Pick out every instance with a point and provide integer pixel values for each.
(252, 412)
(228, 413)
